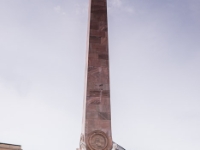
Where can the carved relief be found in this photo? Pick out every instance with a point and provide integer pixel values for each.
(82, 146)
(82, 143)
(82, 139)
(97, 140)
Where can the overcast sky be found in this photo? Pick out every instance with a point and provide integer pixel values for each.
(154, 69)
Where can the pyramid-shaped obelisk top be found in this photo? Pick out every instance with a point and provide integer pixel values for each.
(96, 132)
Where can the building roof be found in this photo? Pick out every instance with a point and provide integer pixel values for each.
(7, 146)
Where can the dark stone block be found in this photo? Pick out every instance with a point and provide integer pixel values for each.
(98, 9)
(99, 16)
(94, 25)
(106, 93)
(103, 56)
(95, 93)
(94, 39)
(98, 3)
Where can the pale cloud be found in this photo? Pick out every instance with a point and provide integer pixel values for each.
(81, 8)
(59, 10)
(118, 5)
(129, 9)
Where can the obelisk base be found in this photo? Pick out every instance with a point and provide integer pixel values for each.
(114, 147)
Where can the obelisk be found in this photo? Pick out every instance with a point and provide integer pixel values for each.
(96, 126)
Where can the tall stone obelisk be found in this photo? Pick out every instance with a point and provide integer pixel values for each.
(96, 127)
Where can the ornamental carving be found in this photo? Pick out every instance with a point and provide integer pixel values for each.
(97, 140)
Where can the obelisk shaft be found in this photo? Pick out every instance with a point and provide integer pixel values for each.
(96, 132)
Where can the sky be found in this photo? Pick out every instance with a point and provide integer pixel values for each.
(154, 71)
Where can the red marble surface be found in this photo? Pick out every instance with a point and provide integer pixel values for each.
(97, 107)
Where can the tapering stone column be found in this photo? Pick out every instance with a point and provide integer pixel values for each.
(96, 131)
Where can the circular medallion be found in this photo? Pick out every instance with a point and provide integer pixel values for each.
(98, 140)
